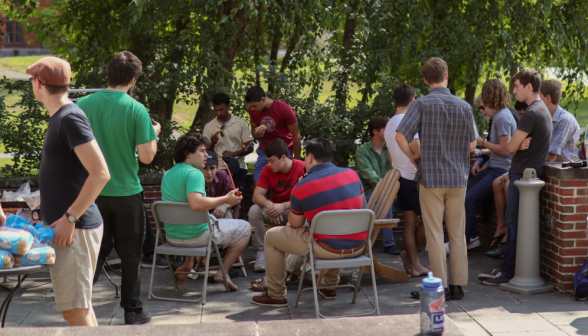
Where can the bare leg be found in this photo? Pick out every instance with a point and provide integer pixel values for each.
(413, 236)
(500, 199)
(186, 267)
(237, 212)
(80, 317)
(233, 253)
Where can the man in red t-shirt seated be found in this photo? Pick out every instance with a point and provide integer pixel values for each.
(279, 175)
(337, 189)
(271, 119)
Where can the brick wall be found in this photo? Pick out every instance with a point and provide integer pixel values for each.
(564, 207)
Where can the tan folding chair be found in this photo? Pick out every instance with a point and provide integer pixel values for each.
(380, 203)
(180, 213)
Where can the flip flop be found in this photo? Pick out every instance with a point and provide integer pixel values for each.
(259, 285)
(415, 295)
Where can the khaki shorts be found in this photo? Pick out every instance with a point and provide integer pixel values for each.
(73, 272)
(228, 232)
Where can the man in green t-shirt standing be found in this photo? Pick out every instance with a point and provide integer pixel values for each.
(122, 127)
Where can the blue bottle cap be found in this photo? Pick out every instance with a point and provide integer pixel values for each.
(431, 281)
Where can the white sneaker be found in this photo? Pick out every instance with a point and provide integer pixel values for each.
(259, 262)
(474, 242)
(447, 248)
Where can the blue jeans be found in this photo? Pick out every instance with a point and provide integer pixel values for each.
(387, 234)
(512, 222)
(479, 190)
(260, 163)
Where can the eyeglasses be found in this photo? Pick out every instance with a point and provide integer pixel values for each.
(482, 108)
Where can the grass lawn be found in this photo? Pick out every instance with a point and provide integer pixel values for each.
(18, 64)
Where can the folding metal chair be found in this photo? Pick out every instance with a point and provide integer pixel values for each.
(335, 223)
(180, 213)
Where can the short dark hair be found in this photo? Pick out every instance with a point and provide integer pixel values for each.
(552, 88)
(520, 105)
(321, 149)
(221, 98)
(529, 76)
(376, 123)
(188, 144)
(53, 89)
(277, 148)
(123, 68)
(434, 70)
(254, 94)
(403, 94)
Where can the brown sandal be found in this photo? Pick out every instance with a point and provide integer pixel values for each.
(259, 285)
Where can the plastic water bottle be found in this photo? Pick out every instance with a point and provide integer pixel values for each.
(432, 306)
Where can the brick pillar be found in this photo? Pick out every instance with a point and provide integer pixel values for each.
(564, 208)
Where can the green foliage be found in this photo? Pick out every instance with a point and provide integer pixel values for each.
(192, 49)
(22, 133)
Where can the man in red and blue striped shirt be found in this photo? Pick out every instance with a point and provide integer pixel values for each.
(326, 187)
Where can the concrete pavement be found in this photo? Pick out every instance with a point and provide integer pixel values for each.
(483, 311)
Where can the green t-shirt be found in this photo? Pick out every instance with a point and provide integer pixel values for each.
(177, 183)
(119, 124)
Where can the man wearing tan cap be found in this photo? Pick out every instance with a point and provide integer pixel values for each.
(123, 127)
(72, 174)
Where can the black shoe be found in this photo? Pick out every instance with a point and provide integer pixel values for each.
(455, 293)
(160, 262)
(134, 318)
(393, 250)
(497, 252)
(498, 279)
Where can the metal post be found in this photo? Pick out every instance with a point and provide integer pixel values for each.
(527, 280)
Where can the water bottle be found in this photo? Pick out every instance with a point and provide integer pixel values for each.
(432, 306)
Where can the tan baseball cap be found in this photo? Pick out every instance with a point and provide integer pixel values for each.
(51, 70)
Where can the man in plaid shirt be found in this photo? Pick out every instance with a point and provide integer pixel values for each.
(566, 130)
(448, 133)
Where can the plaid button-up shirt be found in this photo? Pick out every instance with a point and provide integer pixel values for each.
(446, 127)
(566, 132)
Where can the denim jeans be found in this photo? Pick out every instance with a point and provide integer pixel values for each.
(387, 234)
(512, 222)
(479, 190)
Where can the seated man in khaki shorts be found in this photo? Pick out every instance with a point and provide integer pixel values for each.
(73, 173)
(337, 189)
(184, 182)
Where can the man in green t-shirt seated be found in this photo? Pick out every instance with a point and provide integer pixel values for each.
(184, 182)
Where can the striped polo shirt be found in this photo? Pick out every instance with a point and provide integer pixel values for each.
(328, 187)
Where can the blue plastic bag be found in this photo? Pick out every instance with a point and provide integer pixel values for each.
(6, 259)
(39, 254)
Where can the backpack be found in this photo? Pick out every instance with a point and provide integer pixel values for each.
(581, 283)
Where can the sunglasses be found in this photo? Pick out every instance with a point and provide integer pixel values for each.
(482, 108)
(37, 78)
(222, 129)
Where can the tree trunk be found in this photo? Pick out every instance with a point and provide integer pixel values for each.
(228, 46)
(275, 47)
(514, 68)
(348, 33)
(291, 47)
(470, 93)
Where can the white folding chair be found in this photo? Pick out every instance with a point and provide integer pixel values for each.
(334, 223)
(180, 213)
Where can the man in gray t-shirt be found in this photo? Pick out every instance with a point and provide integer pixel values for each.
(530, 143)
(494, 105)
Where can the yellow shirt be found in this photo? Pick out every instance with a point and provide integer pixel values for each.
(236, 134)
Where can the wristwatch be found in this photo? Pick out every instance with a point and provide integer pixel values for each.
(70, 218)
